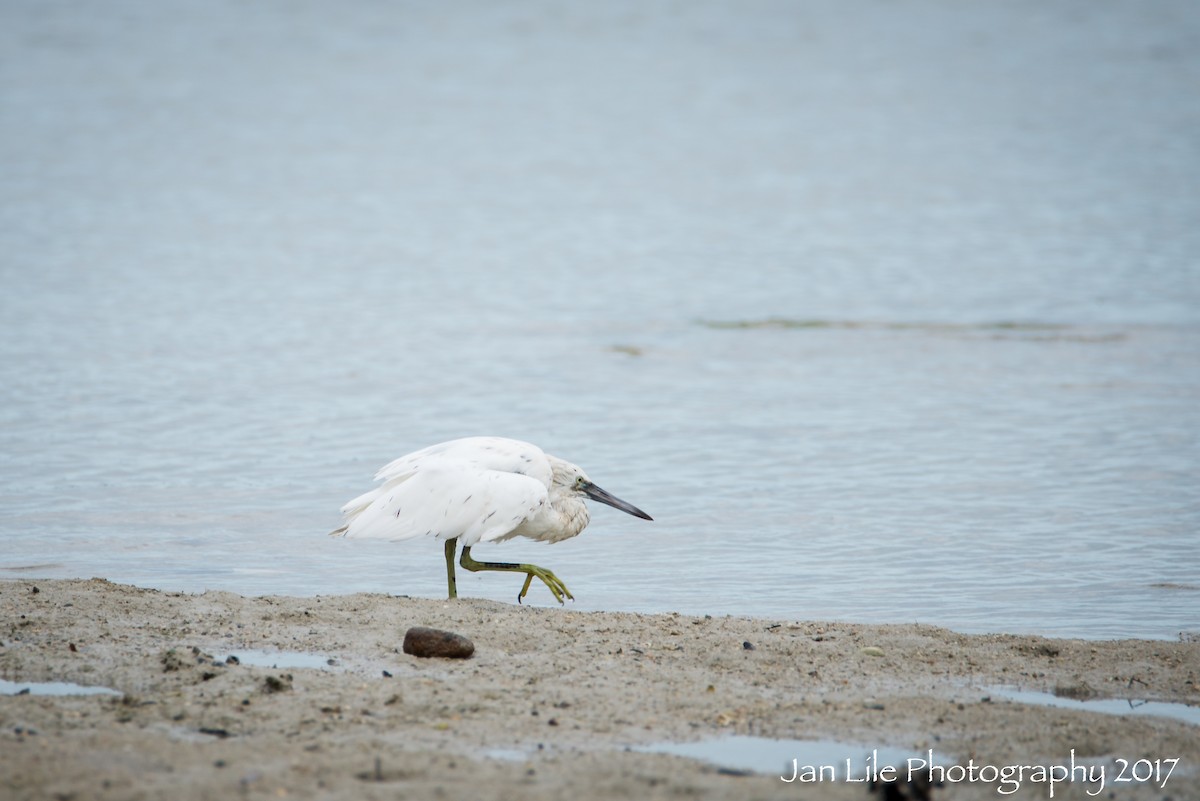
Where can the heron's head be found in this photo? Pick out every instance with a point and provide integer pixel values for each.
(575, 482)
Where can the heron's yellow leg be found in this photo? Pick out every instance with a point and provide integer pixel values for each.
(450, 546)
(548, 578)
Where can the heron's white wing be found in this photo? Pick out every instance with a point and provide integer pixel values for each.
(482, 453)
(446, 499)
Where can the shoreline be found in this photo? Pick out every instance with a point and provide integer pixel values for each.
(548, 705)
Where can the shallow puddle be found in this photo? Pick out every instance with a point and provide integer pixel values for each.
(1109, 706)
(507, 754)
(277, 659)
(51, 688)
(786, 758)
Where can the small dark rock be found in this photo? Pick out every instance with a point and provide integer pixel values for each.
(426, 642)
(277, 684)
(747, 646)
(170, 661)
(919, 788)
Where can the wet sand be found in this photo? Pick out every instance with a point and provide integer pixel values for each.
(548, 707)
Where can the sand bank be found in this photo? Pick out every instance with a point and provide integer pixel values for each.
(553, 705)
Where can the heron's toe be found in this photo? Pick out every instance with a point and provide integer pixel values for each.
(556, 586)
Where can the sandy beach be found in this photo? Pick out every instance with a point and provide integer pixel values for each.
(553, 704)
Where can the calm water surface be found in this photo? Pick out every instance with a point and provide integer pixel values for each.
(886, 313)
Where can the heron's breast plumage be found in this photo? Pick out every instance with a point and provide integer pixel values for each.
(559, 519)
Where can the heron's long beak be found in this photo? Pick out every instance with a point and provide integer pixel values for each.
(597, 494)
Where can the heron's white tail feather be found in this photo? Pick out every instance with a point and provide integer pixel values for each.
(354, 508)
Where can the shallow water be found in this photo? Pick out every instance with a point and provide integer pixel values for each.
(832, 760)
(278, 659)
(51, 688)
(885, 314)
(1109, 706)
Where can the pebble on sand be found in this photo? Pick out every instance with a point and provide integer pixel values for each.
(426, 642)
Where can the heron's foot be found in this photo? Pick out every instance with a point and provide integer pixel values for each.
(556, 585)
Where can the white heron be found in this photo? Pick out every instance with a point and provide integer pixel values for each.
(479, 489)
